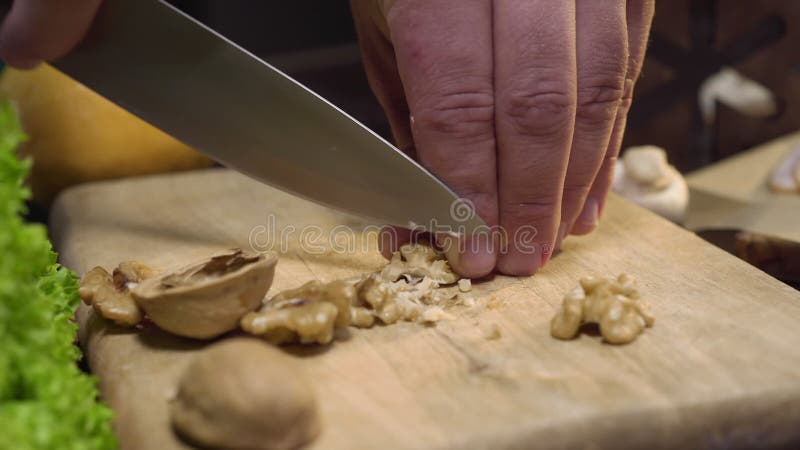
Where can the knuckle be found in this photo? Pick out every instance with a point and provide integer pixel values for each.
(599, 98)
(611, 156)
(626, 99)
(19, 45)
(461, 114)
(545, 109)
(575, 190)
(529, 211)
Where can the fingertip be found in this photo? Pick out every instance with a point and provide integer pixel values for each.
(22, 64)
(43, 30)
(588, 219)
(471, 258)
(518, 265)
(562, 234)
(474, 265)
(390, 238)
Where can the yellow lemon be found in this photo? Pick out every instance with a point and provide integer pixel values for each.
(75, 135)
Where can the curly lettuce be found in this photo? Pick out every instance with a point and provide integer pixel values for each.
(46, 401)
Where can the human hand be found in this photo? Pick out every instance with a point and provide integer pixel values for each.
(42, 30)
(520, 107)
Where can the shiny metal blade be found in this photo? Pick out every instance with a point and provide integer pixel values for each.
(194, 84)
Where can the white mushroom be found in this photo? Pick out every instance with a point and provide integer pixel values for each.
(644, 177)
(786, 177)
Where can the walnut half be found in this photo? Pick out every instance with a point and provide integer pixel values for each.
(109, 294)
(613, 304)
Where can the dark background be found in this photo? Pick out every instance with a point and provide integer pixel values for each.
(313, 41)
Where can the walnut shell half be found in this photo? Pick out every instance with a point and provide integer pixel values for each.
(206, 299)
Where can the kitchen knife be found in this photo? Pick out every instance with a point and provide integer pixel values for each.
(189, 81)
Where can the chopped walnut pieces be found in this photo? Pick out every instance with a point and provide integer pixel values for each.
(433, 314)
(308, 314)
(340, 293)
(408, 288)
(109, 295)
(419, 261)
(361, 317)
(390, 302)
(613, 304)
(290, 321)
(131, 273)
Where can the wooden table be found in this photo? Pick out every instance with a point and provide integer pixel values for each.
(720, 369)
(735, 194)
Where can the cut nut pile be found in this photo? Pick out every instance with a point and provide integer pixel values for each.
(219, 294)
(613, 304)
(411, 287)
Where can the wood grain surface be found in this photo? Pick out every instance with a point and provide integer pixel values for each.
(720, 368)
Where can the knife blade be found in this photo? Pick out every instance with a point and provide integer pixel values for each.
(182, 77)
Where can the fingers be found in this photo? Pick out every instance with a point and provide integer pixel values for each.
(639, 16)
(602, 56)
(381, 67)
(444, 57)
(43, 30)
(535, 88)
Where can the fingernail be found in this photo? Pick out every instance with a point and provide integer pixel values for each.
(547, 253)
(589, 217)
(562, 233)
(522, 265)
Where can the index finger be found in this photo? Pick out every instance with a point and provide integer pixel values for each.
(444, 57)
(43, 30)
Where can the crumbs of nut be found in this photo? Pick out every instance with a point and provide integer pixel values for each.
(434, 314)
(493, 332)
(419, 261)
(409, 288)
(613, 304)
(109, 295)
(467, 301)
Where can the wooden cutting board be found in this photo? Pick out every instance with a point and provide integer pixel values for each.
(720, 369)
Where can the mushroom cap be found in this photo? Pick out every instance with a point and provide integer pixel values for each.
(669, 202)
(206, 299)
(242, 393)
(786, 176)
(647, 164)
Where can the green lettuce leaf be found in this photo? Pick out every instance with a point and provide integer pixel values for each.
(46, 401)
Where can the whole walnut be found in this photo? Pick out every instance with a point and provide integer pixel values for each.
(242, 393)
